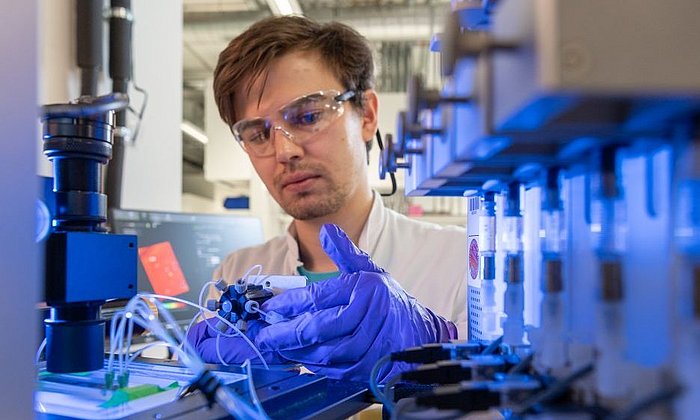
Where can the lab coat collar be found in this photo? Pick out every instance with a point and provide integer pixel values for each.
(293, 261)
(374, 225)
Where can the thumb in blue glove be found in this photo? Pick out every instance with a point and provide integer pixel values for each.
(344, 253)
(342, 326)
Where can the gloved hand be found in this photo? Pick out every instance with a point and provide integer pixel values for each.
(234, 350)
(342, 326)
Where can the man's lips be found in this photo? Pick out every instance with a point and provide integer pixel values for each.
(297, 179)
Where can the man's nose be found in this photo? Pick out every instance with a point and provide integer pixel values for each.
(285, 144)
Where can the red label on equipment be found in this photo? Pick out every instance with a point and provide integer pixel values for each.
(474, 258)
(163, 270)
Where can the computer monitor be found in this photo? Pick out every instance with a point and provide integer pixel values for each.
(178, 252)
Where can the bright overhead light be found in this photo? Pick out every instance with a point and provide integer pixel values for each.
(284, 7)
(194, 132)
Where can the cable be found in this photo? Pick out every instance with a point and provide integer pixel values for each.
(522, 365)
(142, 314)
(222, 319)
(218, 350)
(235, 405)
(374, 386)
(271, 317)
(201, 292)
(552, 391)
(176, 349)
(250, 270)
(389, 388)
(251, 389)
(493, 346)
(171, 321)
(129, 335)
(137, 311)
(140, 306)
(193, 320)
(427, 353)
(139, 114)
(199, 301)
(142, 91)
(661, 397)
(116, 330)
(244, 281)
(42, 346)
(391, 174)
(140, 351)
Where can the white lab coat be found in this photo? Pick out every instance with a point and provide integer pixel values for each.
(428, 260)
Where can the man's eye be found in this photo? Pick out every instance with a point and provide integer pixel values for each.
(307, 118)
(257, 137)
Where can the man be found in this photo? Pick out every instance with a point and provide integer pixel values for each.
(299, 99)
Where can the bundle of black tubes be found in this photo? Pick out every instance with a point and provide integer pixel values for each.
(470, 377)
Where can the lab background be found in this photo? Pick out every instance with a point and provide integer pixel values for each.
(185, 160)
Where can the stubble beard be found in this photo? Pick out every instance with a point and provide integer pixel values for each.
(310, 205)
(319, 202)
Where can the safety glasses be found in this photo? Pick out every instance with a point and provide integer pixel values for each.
(299, 121)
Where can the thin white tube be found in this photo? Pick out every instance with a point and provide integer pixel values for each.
(224, 320)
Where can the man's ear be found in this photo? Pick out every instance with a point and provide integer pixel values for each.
(369, 114)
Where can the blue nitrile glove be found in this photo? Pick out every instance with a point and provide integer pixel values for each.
(234, 350)
(343, 325)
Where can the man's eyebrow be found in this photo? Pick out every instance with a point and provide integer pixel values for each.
(314, 95)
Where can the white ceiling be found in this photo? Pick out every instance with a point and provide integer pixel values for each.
(209, 25)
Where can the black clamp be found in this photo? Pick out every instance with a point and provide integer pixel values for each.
(207, 383)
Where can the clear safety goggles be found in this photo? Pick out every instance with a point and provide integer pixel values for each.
(298, 120)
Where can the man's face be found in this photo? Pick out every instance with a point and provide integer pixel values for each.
(320, 175)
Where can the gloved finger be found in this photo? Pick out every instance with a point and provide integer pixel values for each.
(358, 370)
(345, 255)
(371, 339)
(369, 305)
(206, 328)
(254, 327)
(232, 350)
(326, 294)
(351, 348)
(200, 332)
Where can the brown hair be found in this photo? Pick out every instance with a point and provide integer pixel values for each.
(249, 55)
